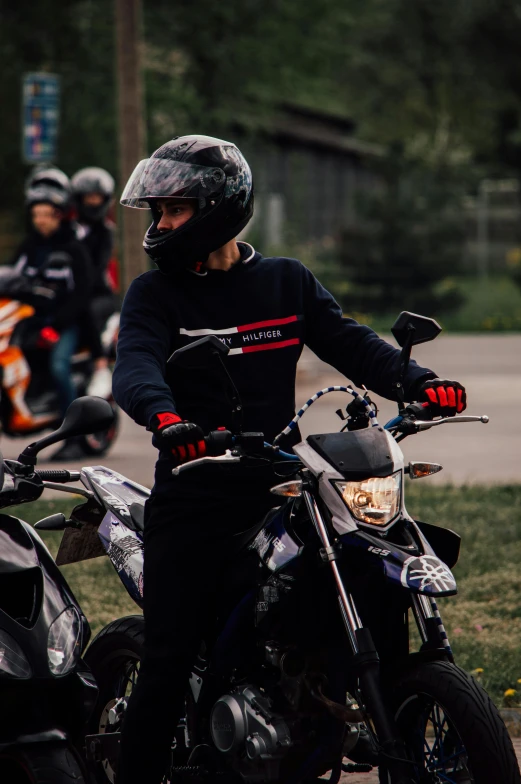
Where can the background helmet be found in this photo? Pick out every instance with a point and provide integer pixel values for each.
(212, 171)
(92, 179)
(48, 185)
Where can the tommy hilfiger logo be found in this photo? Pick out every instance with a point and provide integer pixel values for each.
(259, 336)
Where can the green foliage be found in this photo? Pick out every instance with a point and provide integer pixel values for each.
(74, 40)
(406, 241)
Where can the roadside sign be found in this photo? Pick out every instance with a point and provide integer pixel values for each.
(40, 115)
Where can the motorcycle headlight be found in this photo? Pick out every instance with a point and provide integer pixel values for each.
(63, 642)
(375, 501)
(12, 659)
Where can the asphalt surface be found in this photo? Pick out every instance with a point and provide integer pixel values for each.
(489, 366)
(372, 778)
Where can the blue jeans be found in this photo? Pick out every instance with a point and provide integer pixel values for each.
(60, 366)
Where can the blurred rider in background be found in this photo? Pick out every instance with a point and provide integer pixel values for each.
(55, 268)
(93, 190)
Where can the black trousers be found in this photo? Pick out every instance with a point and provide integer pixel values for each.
(190, 523)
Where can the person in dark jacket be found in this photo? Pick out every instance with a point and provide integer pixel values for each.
(56, 268)
(93, 192)
(200, 193)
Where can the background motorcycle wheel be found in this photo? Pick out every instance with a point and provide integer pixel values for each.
(113, 656)
(98, 444)
(443, 714)
(41, 763)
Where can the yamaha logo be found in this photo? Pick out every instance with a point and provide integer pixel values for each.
(427, 574)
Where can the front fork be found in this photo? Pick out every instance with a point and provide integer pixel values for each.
(429, 623)
(365, 661)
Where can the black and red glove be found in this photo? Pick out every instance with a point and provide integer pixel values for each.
(185, 440)
(445, 398)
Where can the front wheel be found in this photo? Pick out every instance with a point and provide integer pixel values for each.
(114, 657)
(41, 763)
(452, 729)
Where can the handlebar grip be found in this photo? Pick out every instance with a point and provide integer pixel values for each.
(60, 476)
(217, 442)
(420, 411)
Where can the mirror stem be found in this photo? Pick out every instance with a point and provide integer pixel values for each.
(405, 356)
(235, 398)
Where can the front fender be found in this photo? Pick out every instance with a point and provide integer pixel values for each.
(422, 573)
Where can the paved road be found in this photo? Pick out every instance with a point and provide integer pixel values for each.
(372, 778)
(490, 368)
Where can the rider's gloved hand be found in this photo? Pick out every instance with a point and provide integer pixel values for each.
(48, 337)
(445, 398)
(185, 440)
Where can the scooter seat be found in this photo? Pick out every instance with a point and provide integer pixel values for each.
(137, 513)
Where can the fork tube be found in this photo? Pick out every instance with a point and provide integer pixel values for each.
(349, 614)
(418, 609)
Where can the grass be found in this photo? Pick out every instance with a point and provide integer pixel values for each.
(492, 305)
(483, 621)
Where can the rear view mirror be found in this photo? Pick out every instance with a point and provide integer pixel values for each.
(85, 415)
(199, 353)
(421, 328)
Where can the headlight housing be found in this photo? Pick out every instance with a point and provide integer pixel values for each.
(63, 642)
(12, 659)
(375, 501)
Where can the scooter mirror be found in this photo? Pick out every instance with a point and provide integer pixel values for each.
(199, 353)
(84, 415)
(423, 329)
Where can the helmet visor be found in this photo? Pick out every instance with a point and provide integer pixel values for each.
(160, 178)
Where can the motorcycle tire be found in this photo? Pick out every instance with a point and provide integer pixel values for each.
(451, 727)
(98, 444)
(113, 656)
(42, 763)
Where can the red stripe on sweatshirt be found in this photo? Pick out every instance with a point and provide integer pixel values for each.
(272, 323)
(268, 346)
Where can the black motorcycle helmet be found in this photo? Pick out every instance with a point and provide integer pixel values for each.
(48, 185)
(212, 171)
(92, 179)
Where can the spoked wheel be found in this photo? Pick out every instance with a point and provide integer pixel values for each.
(42, 763)
(452, 729)
(98, 444)
(114, 657)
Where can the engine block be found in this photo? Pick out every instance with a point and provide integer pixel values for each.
(244, 727)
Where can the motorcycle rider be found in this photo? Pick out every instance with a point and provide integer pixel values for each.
(200, 193)
(53, 271)
(93, 191)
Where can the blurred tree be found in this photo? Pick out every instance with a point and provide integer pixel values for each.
(405, 245)
(75, 40)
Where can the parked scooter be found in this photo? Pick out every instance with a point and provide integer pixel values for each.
(28, 398)
(310, 667)
(47, 692)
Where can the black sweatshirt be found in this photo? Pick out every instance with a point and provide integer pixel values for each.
(265, 310)
(59, 272)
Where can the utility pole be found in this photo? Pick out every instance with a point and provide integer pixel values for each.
(131, 128)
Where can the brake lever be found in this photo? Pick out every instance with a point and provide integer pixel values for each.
(228, 457)
(422, 425)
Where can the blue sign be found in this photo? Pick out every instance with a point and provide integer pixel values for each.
(41, 110)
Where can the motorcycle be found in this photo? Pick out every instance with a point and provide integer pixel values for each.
(28, 399)
(47, 691)
(312, 666)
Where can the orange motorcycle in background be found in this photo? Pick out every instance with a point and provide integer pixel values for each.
(28, 399)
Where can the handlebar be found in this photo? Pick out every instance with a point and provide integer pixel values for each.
(223, 447)
(419, 418)
(60, 476)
